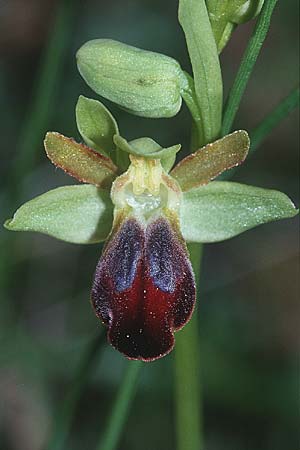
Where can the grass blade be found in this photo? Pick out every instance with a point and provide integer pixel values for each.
(281, 111)
(44, 96)
(261, 132)
(67, 411)
(35, 123)
(120, 410)
(248, 61)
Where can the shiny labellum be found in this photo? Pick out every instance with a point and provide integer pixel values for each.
(144, 288)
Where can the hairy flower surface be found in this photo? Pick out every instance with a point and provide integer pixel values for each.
(144, 286)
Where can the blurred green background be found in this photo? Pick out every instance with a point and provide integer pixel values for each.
(249, 305)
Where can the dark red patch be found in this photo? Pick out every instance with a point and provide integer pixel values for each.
(144, 289)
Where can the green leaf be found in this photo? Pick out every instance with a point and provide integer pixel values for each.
(208, 162)
(144, 83)
(226, 14)
(272, 119)
(69, 405)
(120, 408)
(96, 125)
(221, 210)
(80, 161)
(149, 149)
(77, 214)
(202, 48)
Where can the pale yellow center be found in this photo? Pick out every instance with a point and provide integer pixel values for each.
(145, 188)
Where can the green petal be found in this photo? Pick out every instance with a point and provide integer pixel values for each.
(207, 163)
(149, 149)
(96, 125)
(79, 214)
(223, 209)
(80, 161)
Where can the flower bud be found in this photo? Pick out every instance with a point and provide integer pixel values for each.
(145, 83)
(224, 16)
(242, 11)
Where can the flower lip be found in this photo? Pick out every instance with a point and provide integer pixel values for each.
(144, 288)
(129, 246)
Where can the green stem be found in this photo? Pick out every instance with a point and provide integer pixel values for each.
(187, 375)
(65, 416)
(121, 407)
(248, 61)
(190, 98)
(187, 362)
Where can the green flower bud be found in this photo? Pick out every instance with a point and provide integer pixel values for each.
(145, 83)
(226, 14)
(242, 11)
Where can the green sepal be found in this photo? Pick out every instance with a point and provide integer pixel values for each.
(226, 14)
(80, 161)
(144, 83)
(222, 210)
(148, 148)
(210, 161)
(78, 214)
(96, 125)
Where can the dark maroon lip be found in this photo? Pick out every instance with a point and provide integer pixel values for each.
(144, 288)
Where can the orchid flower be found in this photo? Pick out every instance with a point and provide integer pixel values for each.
(143, 207)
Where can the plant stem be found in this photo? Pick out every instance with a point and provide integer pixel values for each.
(121, 407)
(67, 411)
(187, 362)
(187, 375)
(288, 104)
(248, 61)
(189, 96)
